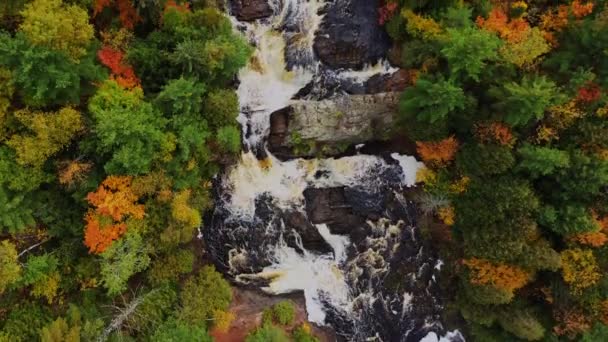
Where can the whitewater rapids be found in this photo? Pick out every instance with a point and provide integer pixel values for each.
(249, 234)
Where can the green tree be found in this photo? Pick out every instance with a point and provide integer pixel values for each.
(7, 89)
(156, 306)
(229, 138)
(175, 330)
(541, 161)
(431, 101)
(170, 266)
(181, 97)
(16, 212)
(47, 77)
(569, 219)
(457, 16)
(121, 260)
(598, 333)
(284, 312)
(52, 24)
(522, 323)
(484, 160)
(467, 51)
(482, 295)
(24, 321)
(127, 128)
(38, 267)
(198, 44)
(510, 218)
(221, 108)
(589, 35)
(584, 179)
(267, 333)
(302, 334)
(526, 101)
(203, 294)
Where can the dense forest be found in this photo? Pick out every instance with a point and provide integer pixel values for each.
(115, 115)
(508, 106)
(113, 119)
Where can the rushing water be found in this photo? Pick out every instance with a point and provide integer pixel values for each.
(251, 234)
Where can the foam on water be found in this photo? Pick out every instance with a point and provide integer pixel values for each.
(450, 336)
(318, 276)
(286, 181)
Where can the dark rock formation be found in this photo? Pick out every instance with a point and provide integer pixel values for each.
(311, 239)
(350, 36)
(330, 206)
(396, 81)
(250, 10)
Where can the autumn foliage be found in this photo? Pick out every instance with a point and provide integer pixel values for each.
(122, 73)
(580, 9)
(495, 132)
(74, 171)
(502, 276)
(447, 215)
(127, 14)
(438, 153)
(172, 5)
(386, 12)
(513, 31)
(593, 239)
(571, 322)
(591, 92)
(579, 269)
(113, 202)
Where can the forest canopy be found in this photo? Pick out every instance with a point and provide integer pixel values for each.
(507, 104)
(114, 116)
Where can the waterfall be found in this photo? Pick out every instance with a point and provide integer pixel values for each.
(250, 234)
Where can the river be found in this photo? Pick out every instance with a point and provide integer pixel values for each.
(341, 230)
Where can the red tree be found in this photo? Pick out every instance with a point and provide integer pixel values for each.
(591, 92)
(121, 71)
(386, 12)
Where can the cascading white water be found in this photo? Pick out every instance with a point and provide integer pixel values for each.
(266, 86)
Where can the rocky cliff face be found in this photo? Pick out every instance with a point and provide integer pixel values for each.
(306, 128)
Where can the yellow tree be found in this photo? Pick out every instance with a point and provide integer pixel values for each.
(58, 26)
(47, 134)
(501, 276)
(422, 27)
(580, 269)
(10, 269)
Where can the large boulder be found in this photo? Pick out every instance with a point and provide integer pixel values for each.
(251, 10)
(381, 83)
(349, 35)
(328, 127)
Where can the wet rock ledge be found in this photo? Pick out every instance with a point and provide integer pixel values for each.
(328, 127)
